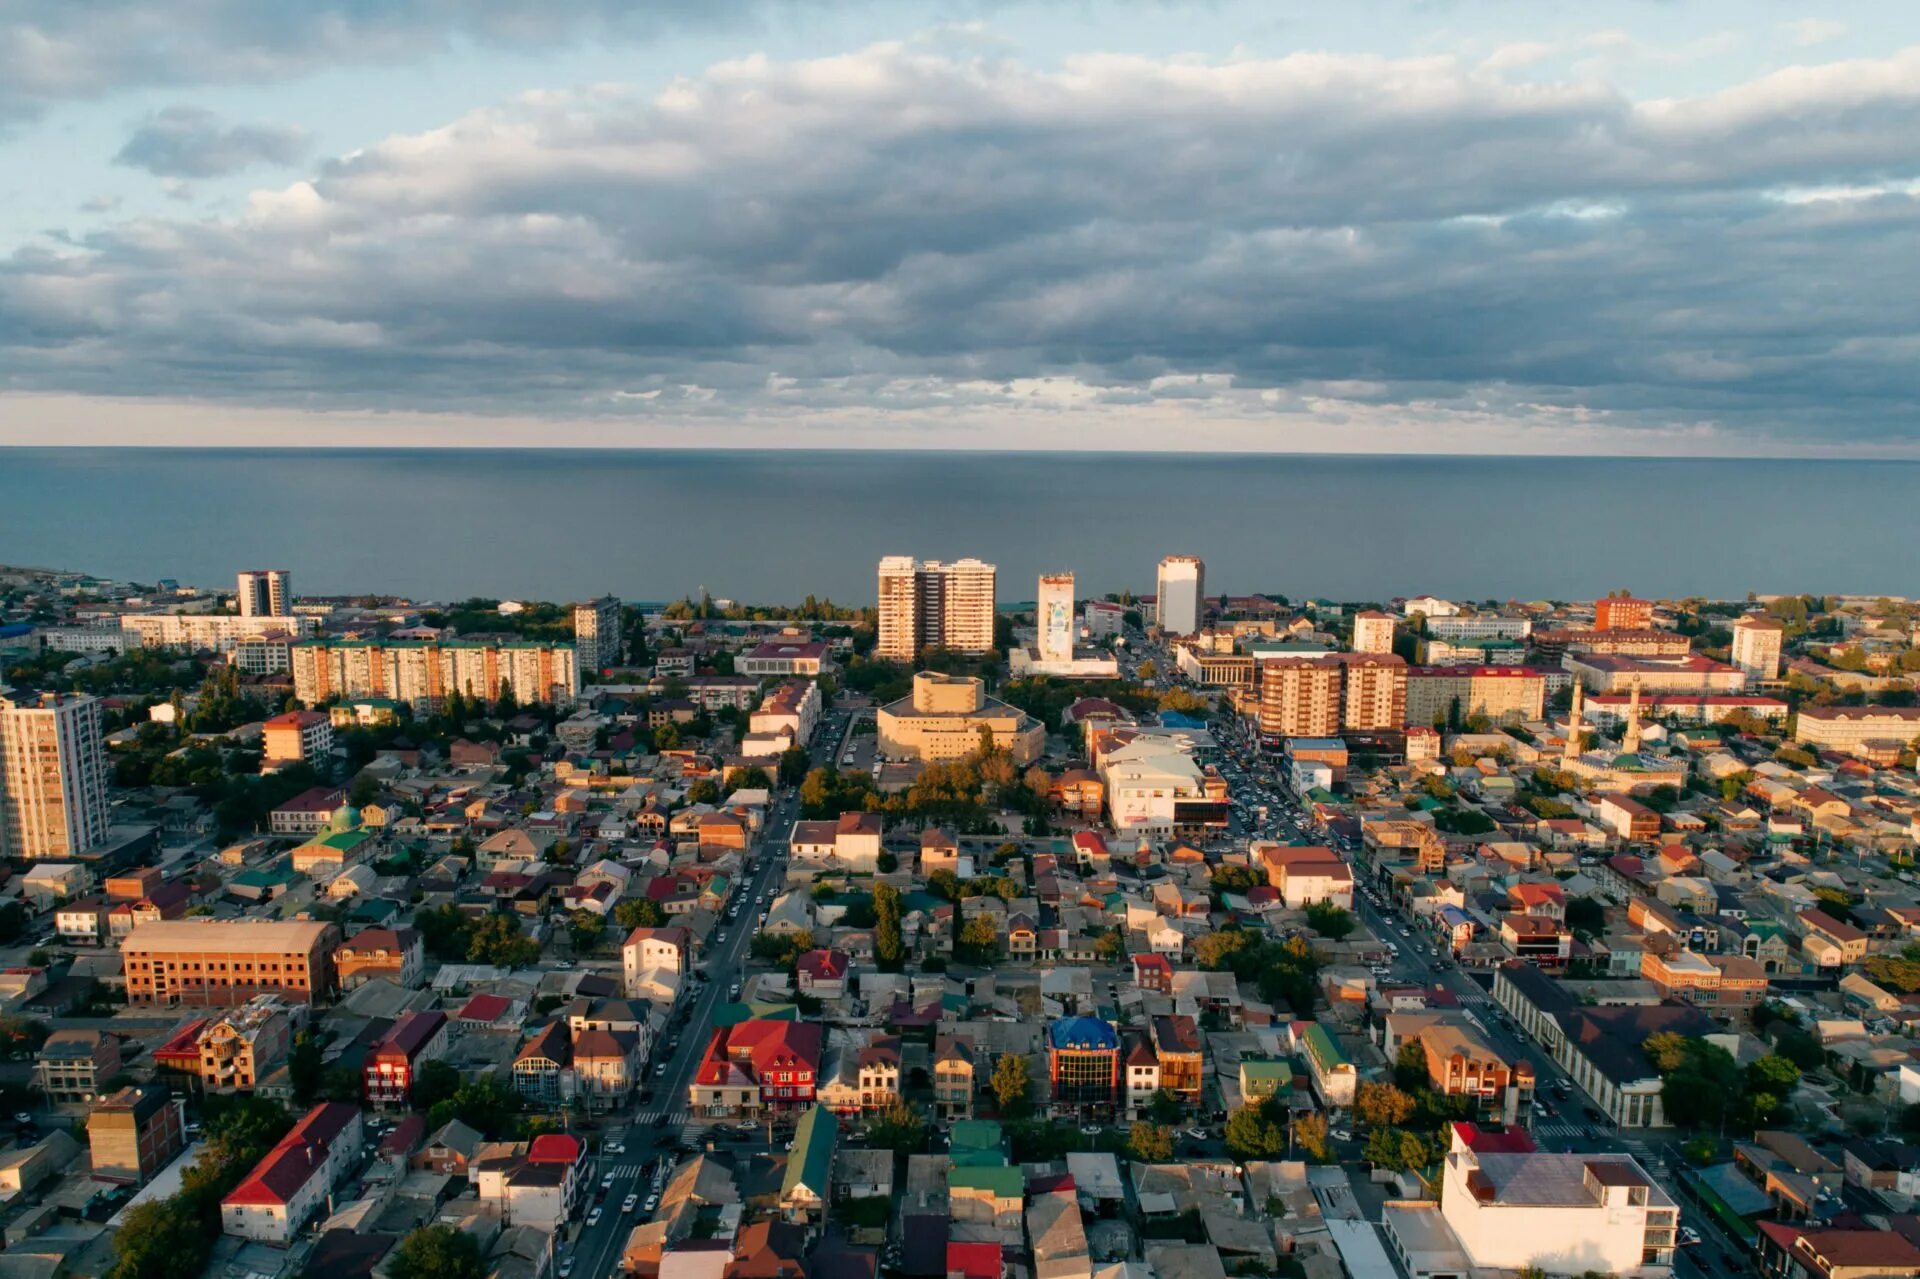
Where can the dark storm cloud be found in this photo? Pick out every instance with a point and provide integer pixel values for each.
(186, 142)
(897, 228)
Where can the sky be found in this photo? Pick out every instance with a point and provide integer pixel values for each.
(1447, 226)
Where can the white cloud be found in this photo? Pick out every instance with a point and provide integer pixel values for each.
(1808, 32)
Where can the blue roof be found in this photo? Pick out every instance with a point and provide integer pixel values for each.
(1317, 743)
(1174, 719)
(1083, 1032)
(11, 629)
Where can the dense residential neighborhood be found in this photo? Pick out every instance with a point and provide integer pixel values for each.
(1169, 936)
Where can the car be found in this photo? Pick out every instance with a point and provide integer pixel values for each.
(566, 1268)
(1092, 1130)
(606, 1182)
(593, 1218)
(1340, 1134)
(1545, 1111)
(1689, 1236)
(1198, 1134)
(629, 1203)
(22, 1117)
(720, 939)
(653, 1201)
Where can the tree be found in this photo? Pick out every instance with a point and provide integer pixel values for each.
(704, 791)
(1383, 1105)
(1330, 920)
(898, 1127)
(437, 1252)
(1147, 670)
(304, 1067)
(1011, 1084)
(886, 863)
(162, 1239)
(1150, 1143)
(889, 950)
(587, 926)
(1213, 950)
(436, 1081)
(1773, 1074)
(1665, 1050)
(979, 939)
(1586, 916)
(639, 913)
(1252, 1134)
(1310, 1131)
(794, 763)
(497, 939)
(1165, 1107)
(1410, 1067)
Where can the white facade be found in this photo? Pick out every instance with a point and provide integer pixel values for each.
(1104, 620)
(1756, 647)
(1053, 616)
(1181, 590)
(216, 631)
(87, 639)
(930, 604)
(265, 592)
(1479, 626)
(53, 776)
(1562, 1213)
(1145, 779)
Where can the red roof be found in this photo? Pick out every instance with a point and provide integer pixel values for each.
(1090, 843)
(485, 1008)
(555, 1148)
(1494, 1141)
(761, 1046)
(184, 1048)
(277, 1178)
(974, 1260)
(1152, 963)
(822, 965)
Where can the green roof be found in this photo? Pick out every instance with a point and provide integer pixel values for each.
(1321, 1048)
(343, 840)
(1280, 1072)
(1001, 1182)
(976, 1143)
(266, 876)
(733, 1014)
(812, 1159)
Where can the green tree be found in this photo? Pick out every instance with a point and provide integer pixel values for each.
(1012, 1085)
(437, 1252)
(304, 1067)
(437, 1081)
(1251, 1134)
(1165, 1107)
(639, 912)
(162, 1239)
(587, 927)
(497, 939)
(794, 763)
(979, 939)
(889, 950)
(1150, 1143)
(1330, 920)
(898, 1127)
(1586, 916)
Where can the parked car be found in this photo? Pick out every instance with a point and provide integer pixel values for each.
(629, 1203)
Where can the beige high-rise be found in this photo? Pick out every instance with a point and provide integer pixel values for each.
(596, 633)
(1053, 617)
(1372, 632)
(53, 776)
(1756, 647)
(931, 604)
(266, 592)
(1180, 594)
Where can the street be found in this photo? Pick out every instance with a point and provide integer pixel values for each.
(660, 1118)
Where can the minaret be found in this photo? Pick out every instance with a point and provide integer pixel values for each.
(1572, 749)
(1632, 742)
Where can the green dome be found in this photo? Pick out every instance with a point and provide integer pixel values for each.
(345, 818)
(1629, 762)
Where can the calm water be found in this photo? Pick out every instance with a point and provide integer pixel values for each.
(776, 525)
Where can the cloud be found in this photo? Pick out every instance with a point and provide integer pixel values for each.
(909, 234)
(1807, 32)
(187, 142)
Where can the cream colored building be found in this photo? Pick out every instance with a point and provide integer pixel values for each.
(265, 592)
(1372, 632)
(1856, 729)
(1180, 601)
(596, 632)
(1053, 617)
(931, 604)
(217, 631)
(1504, 694)
(53, 776)
(942, 718)
(1756, 647)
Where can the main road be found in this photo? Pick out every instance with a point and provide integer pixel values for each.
(660, 1120)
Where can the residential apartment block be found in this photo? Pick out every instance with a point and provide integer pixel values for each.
(1756, 647)
(265, 592)
(1180, 600)
(931, 604)
(423, 672)
(53, 776)
(596, 633)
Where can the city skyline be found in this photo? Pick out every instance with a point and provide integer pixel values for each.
(1234, 227)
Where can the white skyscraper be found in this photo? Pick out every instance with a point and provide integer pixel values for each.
(596, 633)
(266, 592)
(53, 776)
(1182, 590)
(930, 604)
(1053, 615)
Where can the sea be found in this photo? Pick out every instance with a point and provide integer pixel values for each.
(776, 526)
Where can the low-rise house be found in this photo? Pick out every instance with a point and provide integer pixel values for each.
(292, 1181)
(397, 954)
(808, 1182)
(394, 1063)
(73, 1066)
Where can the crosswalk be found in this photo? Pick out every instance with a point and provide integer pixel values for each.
(1556, 1128)
(620, 1171)
(661, 1116)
